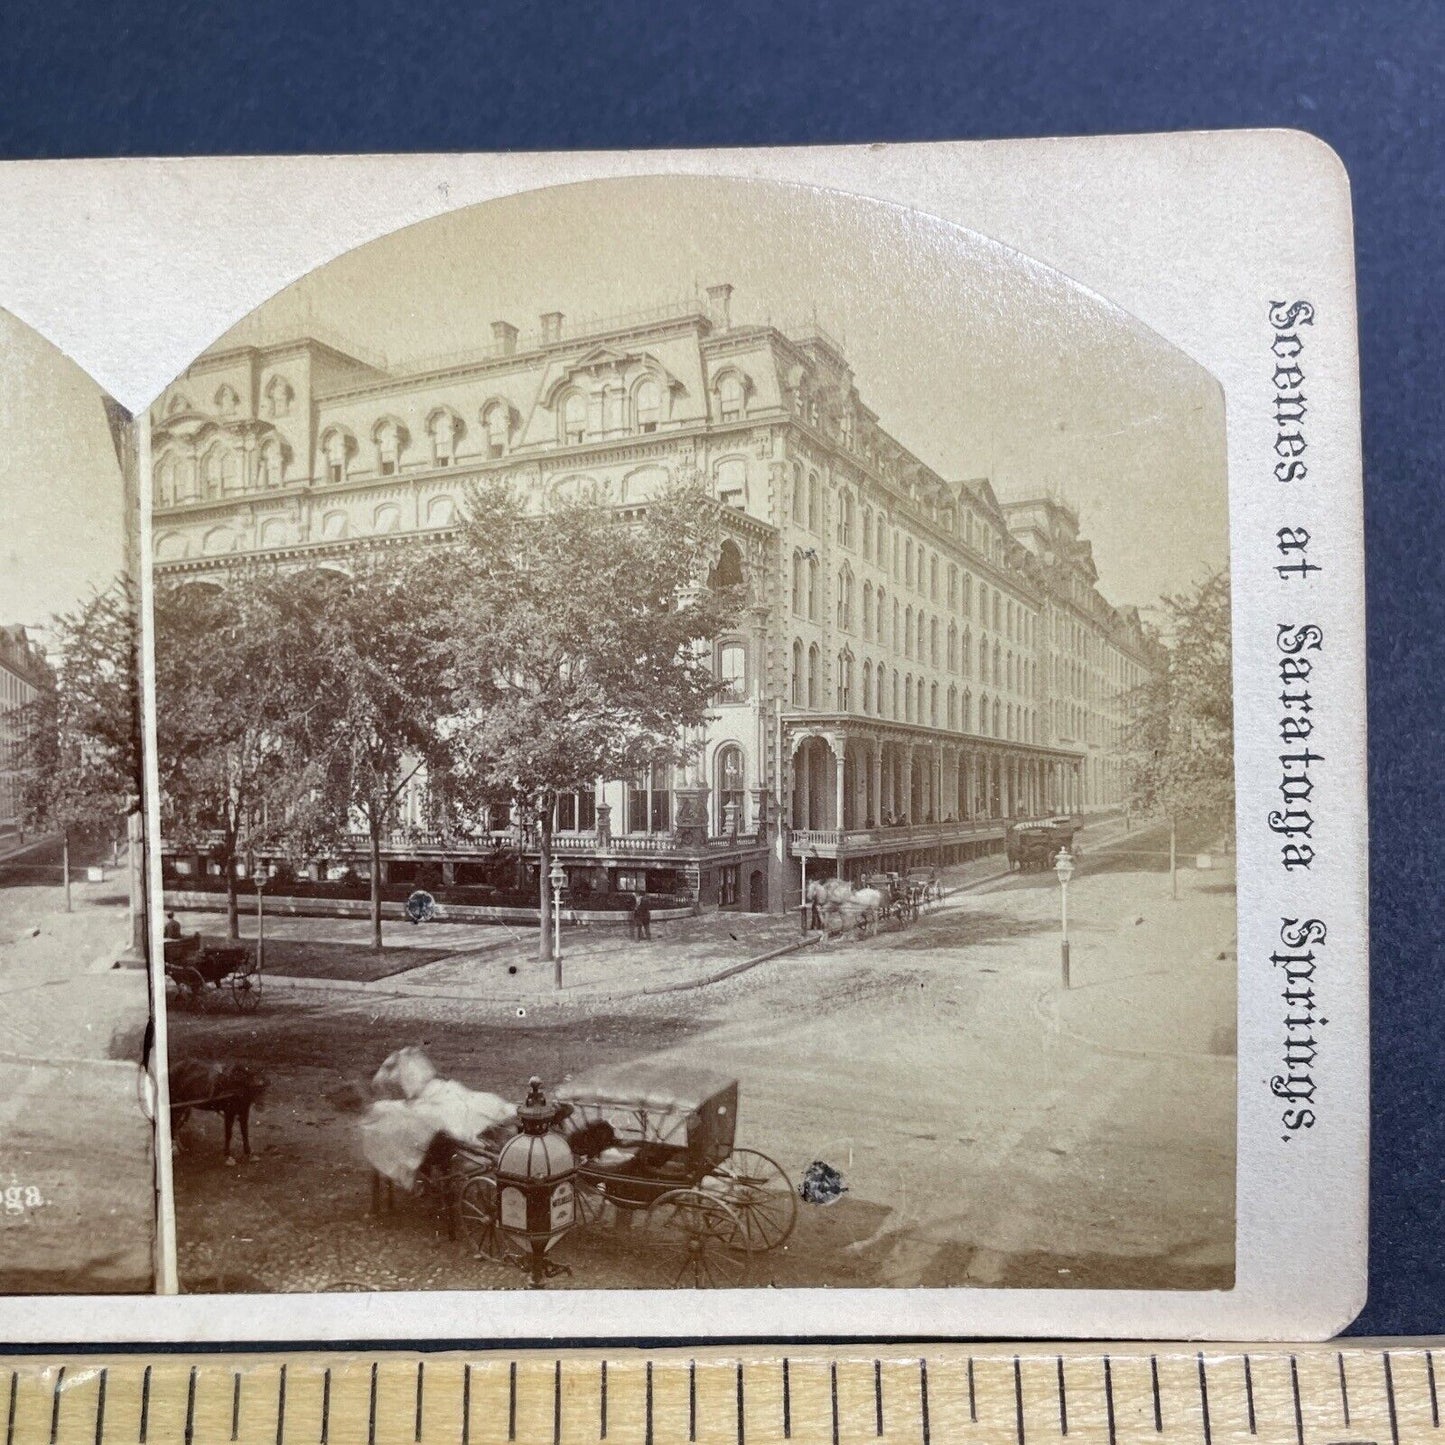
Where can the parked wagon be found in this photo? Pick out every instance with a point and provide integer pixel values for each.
(656, 1141)
(202, 971)
(1032, 846)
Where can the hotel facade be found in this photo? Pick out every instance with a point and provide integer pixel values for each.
(916, 663)
(23, 671)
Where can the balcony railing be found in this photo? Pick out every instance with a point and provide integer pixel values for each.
(918, 834)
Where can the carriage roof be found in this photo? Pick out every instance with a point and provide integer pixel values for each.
(655, 1086)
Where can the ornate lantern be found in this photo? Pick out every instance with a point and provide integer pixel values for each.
(536, 1201)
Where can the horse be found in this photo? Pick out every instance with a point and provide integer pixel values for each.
(837, 899)
(230, 1090)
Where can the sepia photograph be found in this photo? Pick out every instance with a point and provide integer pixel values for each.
(77, 1160)
(695, 724)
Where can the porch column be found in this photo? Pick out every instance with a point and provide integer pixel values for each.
(804, 764)
(910, 754)
(839, 745)
(875, 808)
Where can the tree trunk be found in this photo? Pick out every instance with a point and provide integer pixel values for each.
(65, 864)
(233, 908)
(376, 943)
(1173, 856)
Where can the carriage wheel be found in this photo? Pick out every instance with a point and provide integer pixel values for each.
(700, 1240)
(762, 1197)
(592, 1202)
(477, 1211)
(246, 992)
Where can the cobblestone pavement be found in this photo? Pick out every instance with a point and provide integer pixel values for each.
(75, 1136)
(990, 1130)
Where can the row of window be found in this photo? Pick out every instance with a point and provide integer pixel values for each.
(904, 698)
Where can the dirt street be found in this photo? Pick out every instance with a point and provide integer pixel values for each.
(991, 1128)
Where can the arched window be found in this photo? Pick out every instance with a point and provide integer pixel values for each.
(647, 401)
(953, 647)
(881, 700)
(953, 708)
(815, 503)
(813, 588)
(867, 531)
(279, 397)
(882, 620)
(845, 518)
(996, 717)
(168, 480)
(933, 641)
(997, 659)
(574, 418)
(983, 714)
(727, 571)
(443, 427)
(798, 583)
(269, 464)
(388, 448)
(731, 483)
(845, 681)
(919, 710)
(997, 610)
(908, 633)
(732, 672)
(845, 599)
(867, 689)
(227, 402)
(334, 446)
(731, 786)
(800, 496)
(894, 712)
(983, 660)
(882, 550)
(220, 472)
(497, 424)
(967, 709)
(908, 698)
(967, 595)
(968, 652)
(933, 704)
(798, 693)
(867, 609)
(897, 627)
(730, 397)
(908, 563)
(814, 681)
(933, 577)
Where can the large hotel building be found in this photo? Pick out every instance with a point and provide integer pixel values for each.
(23, 672)
(916, 663)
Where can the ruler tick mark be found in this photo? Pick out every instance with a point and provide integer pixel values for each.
(1204, 1399)
(972, 1398)
(877, 1397)
(325, 1407)
(191, 1406)
(1299, 1421)
(1109, 1396)
(100, 1409)
(1249, 1393)
(371, 1414)
(55, 1405)
(1154, 1386)
(512, 1402)
(1019, 1399)
(10, 1415)
(787, 1403)
(833, 1386)
(281, 1407)
(1434, 1402)
(602, 1403)
(740, 1403)
(691, 1399)
(923, 1396)
(1390, 1397)
(236, 1405)
(692, 1406)
(556, 1404)
(145, 1404)
(466, 1404)
(420, 1378)
(1344, 1387)
(1063, 1400)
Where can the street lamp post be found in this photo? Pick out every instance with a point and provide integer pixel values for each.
(1064, 868)
(803, 910)
(260, 878)
(558, 877)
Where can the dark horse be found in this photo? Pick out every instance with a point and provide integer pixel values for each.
(230, 1090)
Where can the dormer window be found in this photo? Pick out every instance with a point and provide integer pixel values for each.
(334, 447)
(574, 418)
(730, 397)
(648, 403)
(227, 402)
(278, 397)
(443, 438)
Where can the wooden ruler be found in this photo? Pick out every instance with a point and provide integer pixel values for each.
(832, 1395)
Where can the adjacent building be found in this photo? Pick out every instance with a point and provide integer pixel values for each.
(916, 663)
(22, 674)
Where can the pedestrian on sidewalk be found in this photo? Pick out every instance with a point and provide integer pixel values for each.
(642, 918)
(172, 930)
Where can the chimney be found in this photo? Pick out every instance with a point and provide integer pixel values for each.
(720, 306)
(551, 326)
(504, 335)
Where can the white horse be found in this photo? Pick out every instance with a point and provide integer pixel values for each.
(838, 901)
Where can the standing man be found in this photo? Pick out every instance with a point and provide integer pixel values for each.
(642, 918)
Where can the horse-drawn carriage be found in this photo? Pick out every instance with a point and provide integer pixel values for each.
(1033, 845)
(651, 1141)
(202, 971)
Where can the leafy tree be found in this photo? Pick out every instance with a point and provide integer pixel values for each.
(382, 690)
(583, 645)
(236, 676)
(1180, 738)
(79, 748)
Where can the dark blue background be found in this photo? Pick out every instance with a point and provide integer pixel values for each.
(358, 75)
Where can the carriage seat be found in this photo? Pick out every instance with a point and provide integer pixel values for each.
(184, 949)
